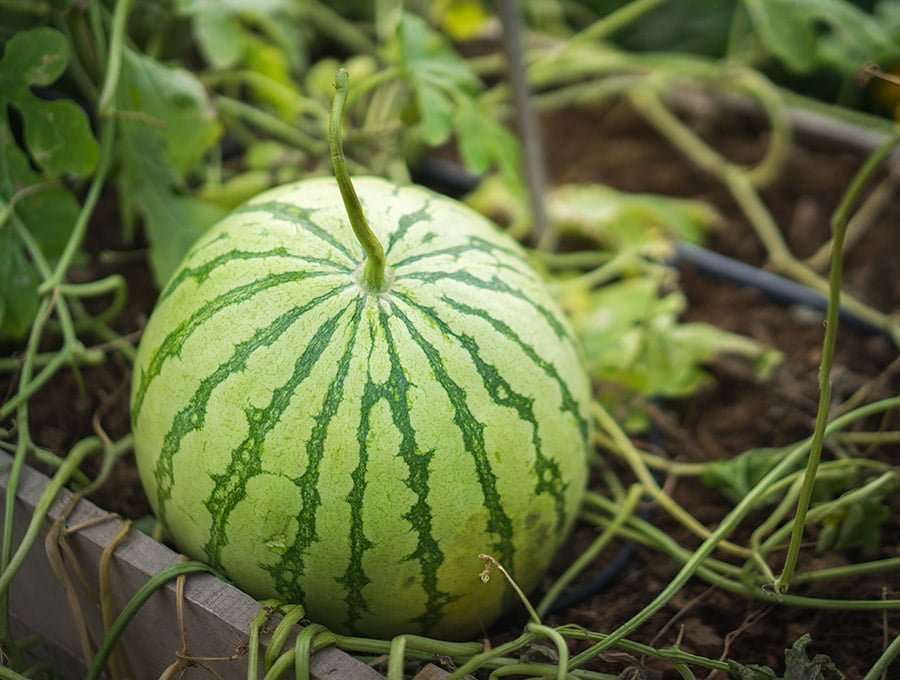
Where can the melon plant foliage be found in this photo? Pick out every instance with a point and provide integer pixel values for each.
(353, 450)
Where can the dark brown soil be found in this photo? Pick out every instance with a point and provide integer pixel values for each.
(735, 414)
(738, 413)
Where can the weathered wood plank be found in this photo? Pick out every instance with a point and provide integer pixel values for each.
(216, 614)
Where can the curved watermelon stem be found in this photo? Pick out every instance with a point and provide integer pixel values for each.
(375, 275)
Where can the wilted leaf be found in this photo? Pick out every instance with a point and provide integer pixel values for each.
(631, 336)
(619, 220)
(798, 665)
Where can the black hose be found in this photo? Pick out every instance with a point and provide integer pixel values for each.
(450, 178)
(776, 287)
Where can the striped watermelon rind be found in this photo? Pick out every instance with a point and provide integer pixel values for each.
(354, 451)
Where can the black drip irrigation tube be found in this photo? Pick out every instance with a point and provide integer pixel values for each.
(776, 287)
(451, 179)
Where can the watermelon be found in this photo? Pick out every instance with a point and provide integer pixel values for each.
(356, 451)
(347, 416)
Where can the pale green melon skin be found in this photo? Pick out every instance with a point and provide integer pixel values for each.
(392, 545)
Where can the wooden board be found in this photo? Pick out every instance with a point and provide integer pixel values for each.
(216, 614)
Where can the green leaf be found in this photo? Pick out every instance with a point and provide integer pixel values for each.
(484, 143)
(736, 476)
(171, 127)
(226, 29)
(783, 29)
(48, 213)
(18, 288)
(220, 38)
(173, 102)
(436, 111)
(439, 77)
(57, 133)
(151, 186)
(856, 526)
(792, 30)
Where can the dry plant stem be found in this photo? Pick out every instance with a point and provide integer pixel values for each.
(631, 455)
(134, 604)
(52, 545)
(107, 606)
(532, 147)
(728, 524)
(596, 547)
(839, 227)
(489, 562)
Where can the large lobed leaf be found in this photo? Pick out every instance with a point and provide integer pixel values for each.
(58, 141)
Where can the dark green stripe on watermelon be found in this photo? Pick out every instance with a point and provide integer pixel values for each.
(300, 217)
(501, 392)
(569, 405)
(494, 285)
(192, 417)
(230, 486)
(287, 571)
(201, 273)
(174, 341)
(472, 431)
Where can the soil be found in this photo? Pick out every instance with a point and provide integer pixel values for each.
(735, 413)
